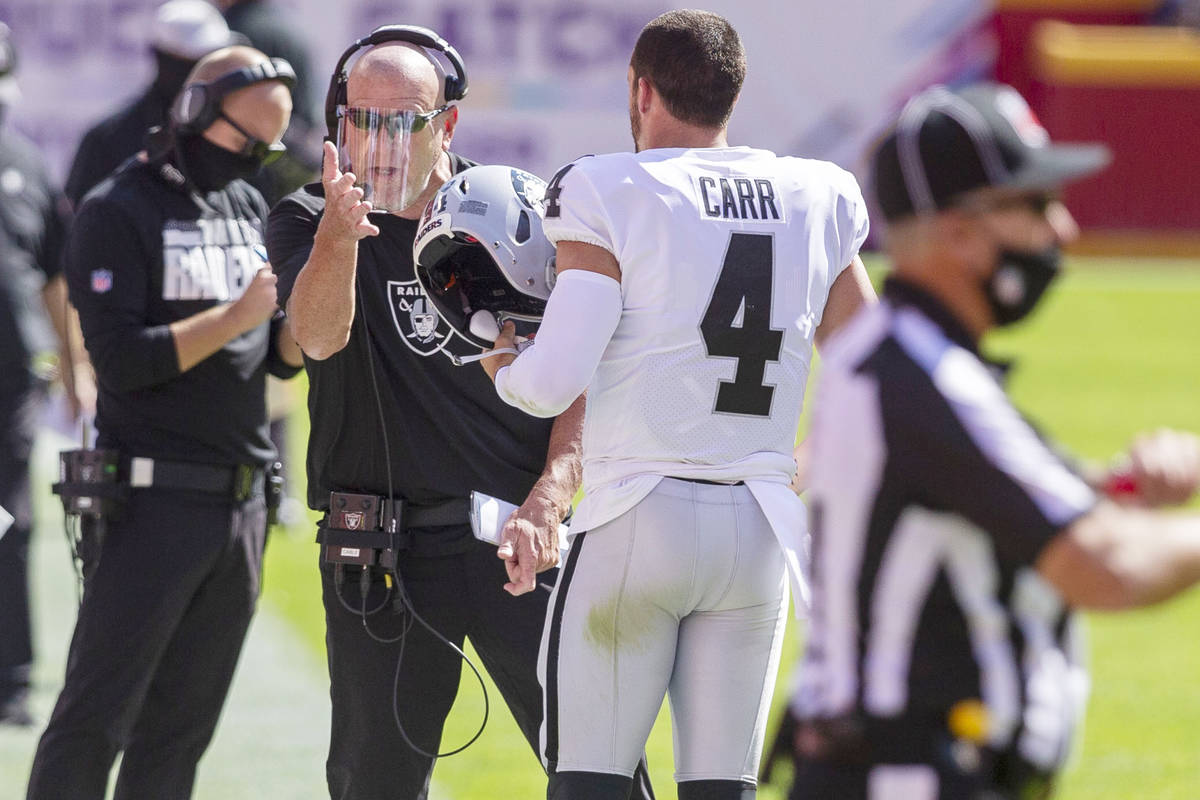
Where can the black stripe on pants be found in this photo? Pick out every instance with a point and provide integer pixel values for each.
(552, 652)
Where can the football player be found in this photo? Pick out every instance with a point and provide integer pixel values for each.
(692, 280)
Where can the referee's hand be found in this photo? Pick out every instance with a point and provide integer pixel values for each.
(1163, 467)
(345, 218)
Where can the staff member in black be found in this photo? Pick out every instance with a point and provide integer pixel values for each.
(33, 225)
(391, 414)
(950, 543)
(181, 33)
(176, 308)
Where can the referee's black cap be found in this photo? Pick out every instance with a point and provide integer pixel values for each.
(946, 143)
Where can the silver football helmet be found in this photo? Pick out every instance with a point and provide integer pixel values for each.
(480, 248)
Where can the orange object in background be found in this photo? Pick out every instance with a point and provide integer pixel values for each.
(1137, 89)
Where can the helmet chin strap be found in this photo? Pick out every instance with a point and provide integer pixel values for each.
(459, 361)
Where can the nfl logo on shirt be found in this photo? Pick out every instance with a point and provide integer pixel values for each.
(102, 280)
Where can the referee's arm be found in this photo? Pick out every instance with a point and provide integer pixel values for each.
(1120, 556)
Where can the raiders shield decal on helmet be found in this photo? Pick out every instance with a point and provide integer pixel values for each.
(418, 322)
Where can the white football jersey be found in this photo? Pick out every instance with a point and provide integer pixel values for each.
(726, 257)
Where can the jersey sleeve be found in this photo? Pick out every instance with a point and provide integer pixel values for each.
(852, 222)
(574, 210)
(106, 269)
(291, 230)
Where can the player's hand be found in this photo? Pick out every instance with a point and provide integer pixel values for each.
(345, 217)
(528, 544)
(507, 338)
(1161, 468)
(258, 302)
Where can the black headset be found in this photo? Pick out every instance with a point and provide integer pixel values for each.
(456, 85)
(199, 104)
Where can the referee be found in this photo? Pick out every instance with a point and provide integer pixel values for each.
(950, 543)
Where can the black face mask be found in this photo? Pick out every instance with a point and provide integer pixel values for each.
(1019, 281)
(210, 167)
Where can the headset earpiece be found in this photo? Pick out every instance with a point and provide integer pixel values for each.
(199, 104)
(456, 85)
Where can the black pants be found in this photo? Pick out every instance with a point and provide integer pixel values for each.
(818, 780)
(167, 598)
(18, 413)
(461, 595)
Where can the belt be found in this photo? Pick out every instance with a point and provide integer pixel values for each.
(707, 483)
(239, 481)
(456, 511)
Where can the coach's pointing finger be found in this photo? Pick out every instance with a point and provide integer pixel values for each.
(345, 218)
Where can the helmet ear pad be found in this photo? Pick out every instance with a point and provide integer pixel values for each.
(484, 325)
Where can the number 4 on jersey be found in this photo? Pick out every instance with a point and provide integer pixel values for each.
(554, 189)
(737, 324)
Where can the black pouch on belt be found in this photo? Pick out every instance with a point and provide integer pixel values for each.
(362, 529)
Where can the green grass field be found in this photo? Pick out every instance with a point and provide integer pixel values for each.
(1113, 351)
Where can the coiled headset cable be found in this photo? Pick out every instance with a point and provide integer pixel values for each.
(402, 598)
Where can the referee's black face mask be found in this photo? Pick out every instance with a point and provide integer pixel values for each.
(210, 167)
(1019, 281)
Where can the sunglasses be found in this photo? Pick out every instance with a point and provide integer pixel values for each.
(394, 122)
(266, 152)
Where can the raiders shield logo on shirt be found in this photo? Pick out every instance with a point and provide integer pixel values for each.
(418, 322)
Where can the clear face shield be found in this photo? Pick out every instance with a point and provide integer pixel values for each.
(391, 152)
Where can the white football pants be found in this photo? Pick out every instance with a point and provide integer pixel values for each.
(686, 594)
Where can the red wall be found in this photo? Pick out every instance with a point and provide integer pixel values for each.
(1154, 180)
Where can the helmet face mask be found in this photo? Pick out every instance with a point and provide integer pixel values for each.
(480, 247)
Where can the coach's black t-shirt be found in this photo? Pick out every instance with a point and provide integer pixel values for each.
(144, 252)
(446, 430)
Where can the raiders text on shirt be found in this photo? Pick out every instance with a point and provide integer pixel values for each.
(208, 259)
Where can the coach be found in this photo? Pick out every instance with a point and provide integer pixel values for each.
(950, 543)
(393, 418)
(175, 306)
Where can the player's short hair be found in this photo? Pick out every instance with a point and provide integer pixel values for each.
(695, 60)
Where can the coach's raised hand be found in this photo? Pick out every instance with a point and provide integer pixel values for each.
(346, 211)
(321, 306)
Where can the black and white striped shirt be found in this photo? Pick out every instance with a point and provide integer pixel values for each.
(932, 498)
